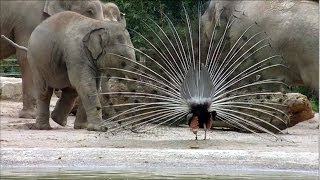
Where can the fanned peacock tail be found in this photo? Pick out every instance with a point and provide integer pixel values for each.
(202, 82)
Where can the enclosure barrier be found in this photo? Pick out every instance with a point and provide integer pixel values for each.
(9, 68)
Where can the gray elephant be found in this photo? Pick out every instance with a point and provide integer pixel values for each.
(293, 27)
(18, 20)
(69, 51)
(111, 12)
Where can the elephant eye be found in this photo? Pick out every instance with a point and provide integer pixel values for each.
(90, 11)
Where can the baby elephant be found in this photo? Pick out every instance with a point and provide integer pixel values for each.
(69, 51)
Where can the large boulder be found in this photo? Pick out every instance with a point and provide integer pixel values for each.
(108, 101)
(295, 105)
(11, 88)
(299, 108)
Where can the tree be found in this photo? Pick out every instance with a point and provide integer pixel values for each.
(139, 12)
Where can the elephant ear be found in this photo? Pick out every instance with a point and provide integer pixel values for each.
(52, 7)
(94, 42)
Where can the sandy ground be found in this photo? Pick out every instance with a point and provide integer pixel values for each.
(175, 147)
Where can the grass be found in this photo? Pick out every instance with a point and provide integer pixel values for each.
(315, 105)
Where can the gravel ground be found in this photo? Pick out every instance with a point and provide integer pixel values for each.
(162, 148)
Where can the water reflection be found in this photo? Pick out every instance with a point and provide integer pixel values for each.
(105, 175)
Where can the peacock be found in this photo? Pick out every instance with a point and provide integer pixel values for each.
(187, 80)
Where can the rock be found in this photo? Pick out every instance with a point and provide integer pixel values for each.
(11, 88)
(299, 108)
(296, 106)
(107, 101)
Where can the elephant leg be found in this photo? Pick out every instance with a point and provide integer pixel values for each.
(81, 117)
(87, 87)
(64, 106)
(43, 104)
(28, 110)
(93, 114)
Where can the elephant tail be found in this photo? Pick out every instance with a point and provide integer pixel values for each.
(13, 43)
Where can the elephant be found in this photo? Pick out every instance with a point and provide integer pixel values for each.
(293, 27)
(69, 51)
(111, 12)
(19, 19)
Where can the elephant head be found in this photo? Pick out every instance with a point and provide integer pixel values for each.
(105, 45)
(89, 8)
(111, 12)
(216, 14)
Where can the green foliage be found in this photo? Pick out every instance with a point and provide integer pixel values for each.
(140, 11)
(315, 105)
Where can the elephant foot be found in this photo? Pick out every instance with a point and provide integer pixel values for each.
(62, 121)
(81, 125)
(95, 127)
(40, 126)
(28, 114)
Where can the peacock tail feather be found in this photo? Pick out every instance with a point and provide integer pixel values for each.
(219, 80)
